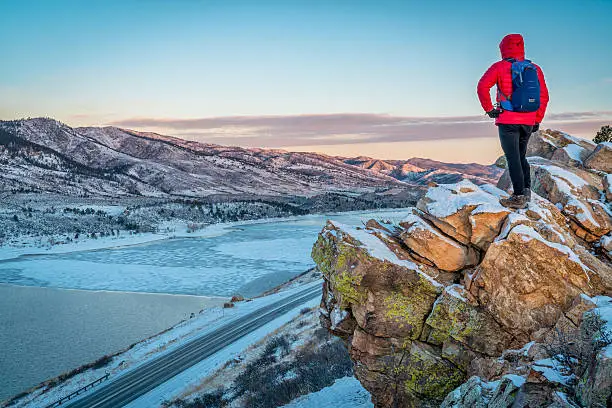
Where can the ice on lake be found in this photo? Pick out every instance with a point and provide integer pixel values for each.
(246, 259)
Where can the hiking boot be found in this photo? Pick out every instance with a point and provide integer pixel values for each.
(527, 194)
(514, 201)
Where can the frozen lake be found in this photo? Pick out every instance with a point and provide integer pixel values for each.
(246, 259)
(46, 330)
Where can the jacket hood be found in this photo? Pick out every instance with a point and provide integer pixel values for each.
(512, 46)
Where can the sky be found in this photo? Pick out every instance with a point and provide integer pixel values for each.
(387, 79)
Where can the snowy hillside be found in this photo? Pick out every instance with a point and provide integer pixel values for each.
(425, 171)
(46, 155)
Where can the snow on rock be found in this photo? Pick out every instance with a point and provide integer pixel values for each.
(577, 192)
(517, 380)
(545, 143)
(532, 260)
(372, 244)
(558, 176)
(468, 213)
(457, 291)
(571, 180)
(447, 199)
(571, 154)
(477, 393)
(529, 233)
(337, 316)
(554, 370)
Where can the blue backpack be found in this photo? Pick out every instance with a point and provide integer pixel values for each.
(525, 88)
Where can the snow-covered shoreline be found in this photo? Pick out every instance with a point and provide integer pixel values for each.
(174, 230)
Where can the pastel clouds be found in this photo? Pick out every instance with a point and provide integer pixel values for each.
(347, 128)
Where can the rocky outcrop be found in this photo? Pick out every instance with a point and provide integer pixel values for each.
(460, 300)
(528, 377)
(553, 144)
(575, 189)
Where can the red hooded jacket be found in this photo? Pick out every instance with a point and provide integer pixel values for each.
(511, 46)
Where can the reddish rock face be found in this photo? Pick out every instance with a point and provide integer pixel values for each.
(445, 293)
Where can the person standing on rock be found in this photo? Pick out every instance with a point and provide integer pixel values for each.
(522, 97)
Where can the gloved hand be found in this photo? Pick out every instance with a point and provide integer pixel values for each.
(494, 113)
(535, 128)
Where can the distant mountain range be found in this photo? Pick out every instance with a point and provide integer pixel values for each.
(425, 171)
(44, 155)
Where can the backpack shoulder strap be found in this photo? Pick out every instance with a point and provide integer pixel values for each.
(503, 95)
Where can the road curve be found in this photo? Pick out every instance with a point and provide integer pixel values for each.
(150, 375)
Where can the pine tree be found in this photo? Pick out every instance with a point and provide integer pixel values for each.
(604, 134)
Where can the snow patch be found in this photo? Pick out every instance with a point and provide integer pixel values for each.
(346, 392)
(512, 220)
(574, 152)
(337, 316)
(455, 291)
(563, 174)
(448, 199)
(517, 380)
(553, 370)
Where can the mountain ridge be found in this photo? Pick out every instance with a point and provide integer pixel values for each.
(43, 154)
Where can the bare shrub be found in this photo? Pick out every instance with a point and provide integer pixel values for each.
(578, 350)
(277, 343)
(213, 399)
(266, 385)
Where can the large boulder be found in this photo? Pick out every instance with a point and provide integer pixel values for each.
(545, 143)
(430, 243)
(526, 281)
(388, 296)
(577, 192)
(468, 213)
(533, 377)
(454, 317)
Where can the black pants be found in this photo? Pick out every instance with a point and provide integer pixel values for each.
(514, 140)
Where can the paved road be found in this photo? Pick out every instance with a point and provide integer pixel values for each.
(148, 376)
